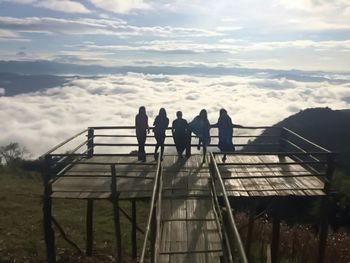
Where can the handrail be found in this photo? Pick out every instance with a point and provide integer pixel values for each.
(274, 153)
(151, 128)
(306, 140)
(219, 216)
(173, 144)
(169, 128)
(62, 143)
(229, 212)
(170, 136)
(149, 221)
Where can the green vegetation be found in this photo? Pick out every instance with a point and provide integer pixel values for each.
(21, 231)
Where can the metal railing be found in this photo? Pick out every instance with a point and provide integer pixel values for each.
(231, 229)
(97, 139)
(280, 141)
(153, 223)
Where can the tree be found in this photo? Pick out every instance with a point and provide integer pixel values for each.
(12, 152)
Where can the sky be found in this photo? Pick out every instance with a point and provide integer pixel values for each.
(312, 36)
(279, 34)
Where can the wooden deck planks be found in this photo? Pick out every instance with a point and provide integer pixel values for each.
(188, 226)
(283, 185)
(188, 230)
(186, 177)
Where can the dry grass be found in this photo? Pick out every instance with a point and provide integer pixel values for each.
(298, 243)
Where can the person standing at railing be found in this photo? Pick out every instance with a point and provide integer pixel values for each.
(141, 124)
(181, 132)
(160, 124)
(225, 127)
(200, 126)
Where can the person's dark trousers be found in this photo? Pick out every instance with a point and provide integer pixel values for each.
(188, 144)
(141, 139)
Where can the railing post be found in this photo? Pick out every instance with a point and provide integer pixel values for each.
(90, 143)
(324, 210)
(116, 215)
(281, 142)
(47, 211)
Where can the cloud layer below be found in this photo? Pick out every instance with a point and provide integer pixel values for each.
(42, 119)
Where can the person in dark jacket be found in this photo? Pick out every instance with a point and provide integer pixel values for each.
(180, 131)
(225, 127)
(160, 124)
(200, 126)
(141, 124)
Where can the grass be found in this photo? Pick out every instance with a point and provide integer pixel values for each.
(21, 230)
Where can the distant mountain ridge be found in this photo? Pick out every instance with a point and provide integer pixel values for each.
(57, 68)
(15, 84)
(324, 126)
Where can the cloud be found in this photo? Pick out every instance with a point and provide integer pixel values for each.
(63, 6)
(89, 26)
(224, 46)
(228, 28)
(2, 91)
(42, 119)
(19, 1)
(274, 84)
(121, 6)
(9, 35)
(315, 5)
(66, 6)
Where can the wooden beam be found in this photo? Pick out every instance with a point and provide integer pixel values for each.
(89, 227)
(133, 231)
(130, 218)
(64, 236)
(117, 227)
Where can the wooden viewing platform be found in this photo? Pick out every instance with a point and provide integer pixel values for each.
(190, 218)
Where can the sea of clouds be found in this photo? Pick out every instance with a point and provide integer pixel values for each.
(42, 119)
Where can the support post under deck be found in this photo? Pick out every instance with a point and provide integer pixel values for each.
(116, 215)
(275, 238)
(250, 230)
(89, 227)
(133, 230)
(324, 211)
(47, 213)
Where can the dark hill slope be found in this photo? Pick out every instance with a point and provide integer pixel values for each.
(324, 126)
